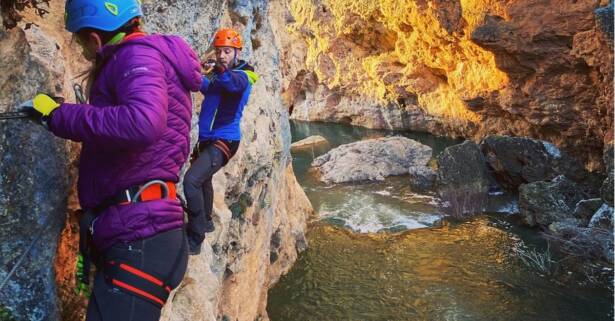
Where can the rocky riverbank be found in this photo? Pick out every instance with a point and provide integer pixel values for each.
(554, 193)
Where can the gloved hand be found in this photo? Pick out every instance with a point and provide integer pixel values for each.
(81, 286)
(219, 68)
(212, 65)
(41, 107)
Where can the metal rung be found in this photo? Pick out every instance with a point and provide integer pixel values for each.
(14, 114)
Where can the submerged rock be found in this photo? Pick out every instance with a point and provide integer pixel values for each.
(462, 179)
(603, 218)
(542, 203)
(422, 178)
(565, 227)
(309, 142)
(372, 159)
(591, 243)
(585, 209)
(522, 160)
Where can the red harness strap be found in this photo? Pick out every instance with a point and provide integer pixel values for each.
(223, 148)
(137, 282)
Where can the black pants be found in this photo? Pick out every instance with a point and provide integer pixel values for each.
(199, 189)
(164, 255)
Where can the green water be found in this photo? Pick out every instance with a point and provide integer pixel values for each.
(456, 271)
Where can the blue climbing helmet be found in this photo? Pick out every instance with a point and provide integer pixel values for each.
(106, 15)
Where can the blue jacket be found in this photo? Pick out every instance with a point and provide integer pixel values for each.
(225, 97)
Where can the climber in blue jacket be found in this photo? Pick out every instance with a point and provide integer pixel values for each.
(226, 86)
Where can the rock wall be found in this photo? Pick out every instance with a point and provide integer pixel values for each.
(468, 68)
(260, 211)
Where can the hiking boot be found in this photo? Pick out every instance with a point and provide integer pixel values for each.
(209, 226)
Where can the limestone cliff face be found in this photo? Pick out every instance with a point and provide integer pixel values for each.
(260, 211)
(527, 68)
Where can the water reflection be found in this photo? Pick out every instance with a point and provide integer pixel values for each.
(457, 272)
(461, 271)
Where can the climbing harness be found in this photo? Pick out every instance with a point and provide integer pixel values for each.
(120, 274)
(138, 282)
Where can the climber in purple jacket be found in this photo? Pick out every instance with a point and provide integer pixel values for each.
(135, 137)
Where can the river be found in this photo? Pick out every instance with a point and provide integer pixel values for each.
(379, 251)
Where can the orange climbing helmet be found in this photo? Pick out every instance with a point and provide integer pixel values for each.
(227, 38)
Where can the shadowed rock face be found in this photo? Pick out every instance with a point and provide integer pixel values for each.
(463, 166)
(520, 160)
(33, 192)
(34, 180)
(470, 68)
(542, 203)
(462, 179)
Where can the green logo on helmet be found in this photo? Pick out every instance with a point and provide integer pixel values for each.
(112, 8)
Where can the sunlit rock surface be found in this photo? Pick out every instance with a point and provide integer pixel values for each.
(372, 159)
(541, 69)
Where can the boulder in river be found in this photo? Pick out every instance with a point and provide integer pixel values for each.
(542, 203)
(372, 159)
(463, 180)
(521, 160)
(309, 142)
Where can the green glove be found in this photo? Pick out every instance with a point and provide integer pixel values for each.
(82, 287)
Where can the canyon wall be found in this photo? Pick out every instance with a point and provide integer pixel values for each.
(542, 69)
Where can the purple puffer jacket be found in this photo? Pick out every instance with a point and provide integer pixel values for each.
(135, 129)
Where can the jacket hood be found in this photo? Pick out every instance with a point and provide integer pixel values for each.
(177, 53)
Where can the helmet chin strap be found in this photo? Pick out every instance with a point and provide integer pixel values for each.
(234, 58)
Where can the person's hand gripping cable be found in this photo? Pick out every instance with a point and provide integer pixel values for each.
(41, 107)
